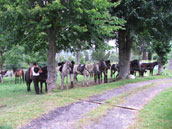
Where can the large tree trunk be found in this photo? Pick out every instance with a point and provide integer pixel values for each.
(149, 55)
(170, 63)
(1, 60)
(125, 43)
(51, 67)
(160, 69)
(160, 66)
(144, 55)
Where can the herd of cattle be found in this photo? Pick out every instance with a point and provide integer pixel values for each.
(67, 69)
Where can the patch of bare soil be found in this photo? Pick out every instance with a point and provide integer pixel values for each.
(118, 118)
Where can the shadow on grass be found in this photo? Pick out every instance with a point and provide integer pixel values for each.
(5, 127)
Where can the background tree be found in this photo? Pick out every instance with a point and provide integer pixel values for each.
(15, 57)
(139, 16)
(114, 57)
(162, 49)
(99, 54)
(57, 24)
(142, 46)
(2, 58)
(35, 57)
(135, 12)
(78, 57)
(4, 46)
(161, 31)
(86, 54)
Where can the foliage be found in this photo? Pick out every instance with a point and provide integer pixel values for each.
(142, 43)
(137, 14)
(162, 49)
(62, 58)
(113, 57)
(15, 56)
(161, 31)
(74, 22)
(35, 57)
(82, 60)
(86, 54)
(99, 54)
(4, 46)
(146, 21)
(71, 58)
(58, 25)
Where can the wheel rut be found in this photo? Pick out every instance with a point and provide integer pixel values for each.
(66, 117)
(121, 118)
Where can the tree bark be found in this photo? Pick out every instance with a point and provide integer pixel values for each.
(144, 55)
(125, 43)
(160, 69)
(149, 55)
(160, 66)
(170, 63)
(1, 60)
(51, 66)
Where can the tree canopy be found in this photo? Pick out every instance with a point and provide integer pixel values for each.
(141, 16)
(57, 25)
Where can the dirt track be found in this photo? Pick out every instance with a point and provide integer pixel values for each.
(119, 117)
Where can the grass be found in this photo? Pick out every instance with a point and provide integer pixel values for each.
(101, 110)
(18, 107)
(157, 114)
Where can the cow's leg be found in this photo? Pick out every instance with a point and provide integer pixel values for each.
(83, 80)
(105, 76)
(45, 86)
(62, 82)
(67, 82)
(152, 72)
(111, 73)
(41, 86)
(75, 78)
(72, 80)
(15, 79)
(36, 85)
(87, 80)
(20, 79)
(99, 78)
(95, 78)
(28, 85)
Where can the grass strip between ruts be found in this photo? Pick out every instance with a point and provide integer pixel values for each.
(100, 111)
(157, 114)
